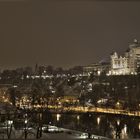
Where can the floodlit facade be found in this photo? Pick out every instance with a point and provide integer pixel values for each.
(119, 65)
(125, 64)
(128, 63)
(97, 68)
(134, 57)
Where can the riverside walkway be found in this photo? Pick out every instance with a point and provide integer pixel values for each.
(81, 109)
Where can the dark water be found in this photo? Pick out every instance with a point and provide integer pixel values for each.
(111, 126)
(100, 124)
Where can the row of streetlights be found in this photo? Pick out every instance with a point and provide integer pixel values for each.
(9, 125)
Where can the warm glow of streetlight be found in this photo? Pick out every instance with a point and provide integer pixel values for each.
(26, 121)
(58, 117)
(10, 122)
(118, 103)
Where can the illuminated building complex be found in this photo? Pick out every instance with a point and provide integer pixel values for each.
(119, 65)
(127, 64)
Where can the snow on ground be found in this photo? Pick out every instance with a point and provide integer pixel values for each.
(64, 134)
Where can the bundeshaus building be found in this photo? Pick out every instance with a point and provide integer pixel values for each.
(125, 64)
(128, 63)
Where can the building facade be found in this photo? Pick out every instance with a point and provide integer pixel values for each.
(97, 68)
(119, 65)
(128, 63)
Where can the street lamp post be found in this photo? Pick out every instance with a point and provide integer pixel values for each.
(25, 129)
(9, 124)
(39, 128)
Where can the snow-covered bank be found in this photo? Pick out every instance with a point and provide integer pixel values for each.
(61, 134)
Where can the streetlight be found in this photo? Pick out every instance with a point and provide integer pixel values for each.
(9, 124)
(39, 128)
(25, 129)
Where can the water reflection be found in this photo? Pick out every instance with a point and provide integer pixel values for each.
(111, 126)
(118, 122)
(98, 120)
(124, 132)
(78, 117)
(58, 116)
(125, 129)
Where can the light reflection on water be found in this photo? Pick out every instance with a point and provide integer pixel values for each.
(58, 116)
(124, 134)
(78, 117)
(111, 126)
(98, 120)
(118, 122)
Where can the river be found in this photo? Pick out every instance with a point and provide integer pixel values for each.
(107, 125)
(111, 126)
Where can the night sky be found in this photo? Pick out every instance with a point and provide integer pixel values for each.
(65, 32)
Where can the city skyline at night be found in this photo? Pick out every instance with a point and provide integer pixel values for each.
(70, 69)
(65, 33)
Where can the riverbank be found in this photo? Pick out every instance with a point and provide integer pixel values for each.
(94, 110)
(60, 133)
(74, 109)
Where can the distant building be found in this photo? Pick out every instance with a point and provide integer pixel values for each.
(134, 56)
(97, 68)
(119, 65)
(128, 63)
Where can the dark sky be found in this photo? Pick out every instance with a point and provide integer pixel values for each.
(65, 32)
